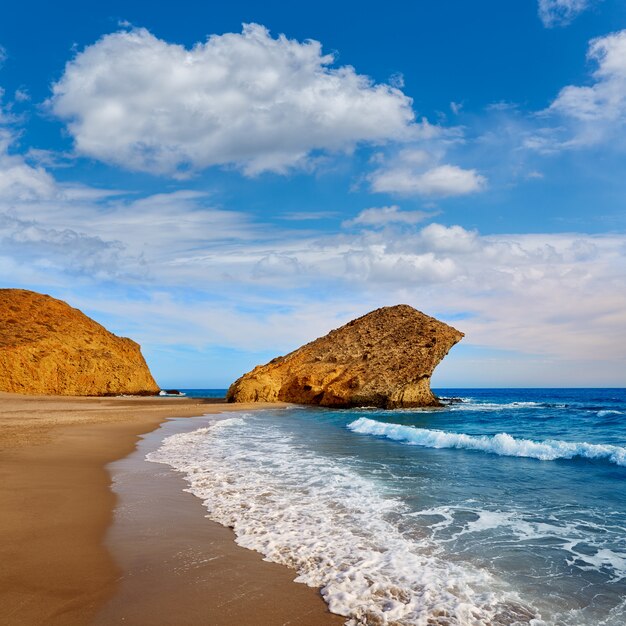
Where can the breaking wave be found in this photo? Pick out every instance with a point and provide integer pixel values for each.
(502, 444)
(470, 404)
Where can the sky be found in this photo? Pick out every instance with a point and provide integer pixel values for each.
(223, 182)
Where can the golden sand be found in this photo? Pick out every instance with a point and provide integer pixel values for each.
(56, 505)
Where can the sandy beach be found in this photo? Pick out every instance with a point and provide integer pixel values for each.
(56, 505)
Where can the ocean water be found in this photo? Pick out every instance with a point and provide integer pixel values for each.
(505, 507)
(204, 393)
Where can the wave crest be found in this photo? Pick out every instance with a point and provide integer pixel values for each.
(502, 444)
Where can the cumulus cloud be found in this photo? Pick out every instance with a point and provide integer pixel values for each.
(561, 12)
(411, 174)
(448, 239)
(244, 99)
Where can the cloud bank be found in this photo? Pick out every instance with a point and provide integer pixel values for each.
(560, 296)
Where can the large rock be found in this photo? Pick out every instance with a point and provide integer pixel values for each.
(384, 359)
(47, 347)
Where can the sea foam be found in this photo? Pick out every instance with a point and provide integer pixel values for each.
(336, 527)
(470, 404)
(502, 444)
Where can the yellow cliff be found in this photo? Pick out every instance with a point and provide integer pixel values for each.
(48, 347)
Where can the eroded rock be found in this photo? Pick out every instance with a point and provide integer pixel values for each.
(48, 347)
(383, 359)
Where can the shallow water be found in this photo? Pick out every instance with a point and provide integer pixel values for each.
(506, 508)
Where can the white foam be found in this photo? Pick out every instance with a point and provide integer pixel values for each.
(603, 559)
(517, 526)
(608, 412)
(469, 404)
(502, 444)
(335, 527)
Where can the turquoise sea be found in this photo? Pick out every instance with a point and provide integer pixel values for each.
(507, 506)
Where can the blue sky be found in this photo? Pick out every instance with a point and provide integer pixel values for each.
(224, 183)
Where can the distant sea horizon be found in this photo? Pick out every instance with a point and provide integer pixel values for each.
(217, 392)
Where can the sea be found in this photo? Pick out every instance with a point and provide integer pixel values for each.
(505, 507)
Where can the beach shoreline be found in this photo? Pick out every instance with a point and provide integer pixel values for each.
(56, 506)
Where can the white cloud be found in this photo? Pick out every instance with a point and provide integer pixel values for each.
(534, 175)
(587, 115)
(382, 216)
(151, 233)
(418, 171)
(560, 296)
(21, 95)
(449, 239)
(52, 251)
(603, 102)
(249, 100)
(303, 216)
(51, 159)
(376, 265)
(441, 180)
(18, 180)
(397, 80)
(75, 229)
(561, 12)
(36, 231)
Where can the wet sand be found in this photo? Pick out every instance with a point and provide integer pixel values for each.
(56, 505)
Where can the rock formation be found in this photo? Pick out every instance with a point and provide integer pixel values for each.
(383, 359)
(47, 347)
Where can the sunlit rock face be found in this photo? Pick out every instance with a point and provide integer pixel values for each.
(383, 359)
(48, 347)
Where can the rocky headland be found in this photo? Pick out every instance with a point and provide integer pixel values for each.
(383, 359)
(48, 347)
